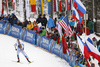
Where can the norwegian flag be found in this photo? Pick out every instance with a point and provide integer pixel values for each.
(66, 26)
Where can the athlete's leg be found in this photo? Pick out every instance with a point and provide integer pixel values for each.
(18, 56)
(25, 56)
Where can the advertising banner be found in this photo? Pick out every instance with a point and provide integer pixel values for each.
(29, 36)
(57, 49)
(45, 43)
(2, 27)
(7, 28)
(22, 33)
(38, 39)
(15, 31)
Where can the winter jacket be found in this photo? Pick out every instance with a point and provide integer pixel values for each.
(44, 22)
(39, 20)
(43, 32)
(30, 26)
(6, 19)
(72, 23)
(90, 25)
(78, 27)
(50, 23)
(19, 24)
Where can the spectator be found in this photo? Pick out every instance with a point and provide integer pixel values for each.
(72, 23)
(19, 23)
(77, 63)
(35, 26)
(1, 17)
(78, 30)
(44, 23)
(11, 19)
(43, 31)
(14, 21)
(50, 22)
(39, 19)
(25, 23)
(60, 17)
(55, 21)
(92, 65)
(5, 18)
(94, 41)
(54, 34)
(30, 25)
(90, 25)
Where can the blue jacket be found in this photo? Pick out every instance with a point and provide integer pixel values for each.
(61, 17)
(50, 23)
(5, 18)
(72, 23)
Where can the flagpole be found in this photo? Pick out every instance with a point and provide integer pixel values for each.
(85, 24)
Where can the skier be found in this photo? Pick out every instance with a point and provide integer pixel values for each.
(19, 47)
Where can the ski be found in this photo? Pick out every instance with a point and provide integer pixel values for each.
(17, 62)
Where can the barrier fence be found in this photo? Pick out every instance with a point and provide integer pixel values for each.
(35, 39)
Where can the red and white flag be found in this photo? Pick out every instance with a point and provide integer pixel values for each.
(1, 8)
(66, 5)
(60, 7)
(55, 6)
(14, 6)
(7, 6)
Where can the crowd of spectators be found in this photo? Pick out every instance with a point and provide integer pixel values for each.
(49, 29)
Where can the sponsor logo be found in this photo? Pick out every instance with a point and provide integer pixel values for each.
(15, 29)
(29, 34)
(45, 41)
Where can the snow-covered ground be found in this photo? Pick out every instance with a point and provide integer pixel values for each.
(40, 57)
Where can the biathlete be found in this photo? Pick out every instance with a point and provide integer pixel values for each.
(19, 47)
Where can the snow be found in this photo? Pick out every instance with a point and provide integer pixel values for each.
(40, 57)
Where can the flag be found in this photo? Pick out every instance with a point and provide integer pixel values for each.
(59, 29)
(76, 15)
(75, 4)
(14, 6)
(71, 5)
(55, 6)
(1, 8)
(21, 7)
(41, 5)
(7, 6)
(66, 5)
(83, 47)
(60, 7)
(33, 5)
(27, 8)
(92, 50)
(73, 35)
(66, 26)
(58, 40)
(88, 63)
(64, 45)
(49, 6)
(81, 8)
